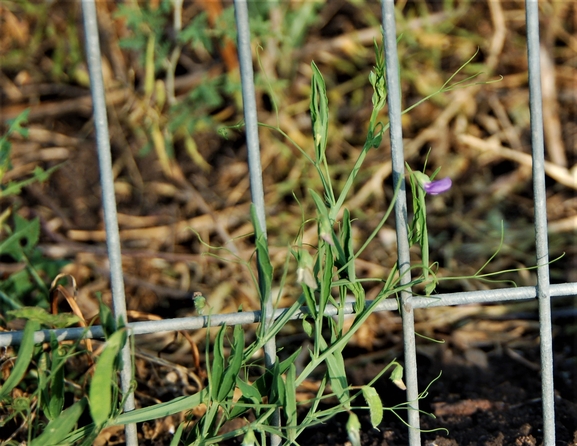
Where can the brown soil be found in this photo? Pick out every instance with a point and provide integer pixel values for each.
(489, 404)
(497, 405)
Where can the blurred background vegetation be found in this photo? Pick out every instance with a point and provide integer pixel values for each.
(173, 95)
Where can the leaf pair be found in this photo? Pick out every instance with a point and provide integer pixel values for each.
(224, 373)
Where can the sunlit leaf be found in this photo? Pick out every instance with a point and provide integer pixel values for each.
(104, 378)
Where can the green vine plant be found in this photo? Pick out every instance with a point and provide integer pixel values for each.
(326, 274)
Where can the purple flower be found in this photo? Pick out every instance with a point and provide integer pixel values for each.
(438, 186)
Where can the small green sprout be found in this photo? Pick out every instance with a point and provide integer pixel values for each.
(199, 302)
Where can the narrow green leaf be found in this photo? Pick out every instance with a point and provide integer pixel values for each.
(338, 377)
(56, 402)
(319, 108)
(42, 368)
(291, 400)
(210, 422)
(162, 410)
(277, 390)
(264, 266)
(24, 357)
(234, 364)
(15, 187)
(359, 293)
(177, 435)
(375, 405)
(82, 436)
(347, 242)
(249, 391)
(15, 125)
(325, 295)
(217, 369)
(307, 327)
(57, 430)
(104, 378)
(310, 301)
(336, 373)
(250, 395)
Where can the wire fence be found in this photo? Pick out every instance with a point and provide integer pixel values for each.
(543, 292)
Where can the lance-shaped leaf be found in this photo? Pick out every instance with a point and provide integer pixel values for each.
(57, 430)
(319, 113)
(234, 364)
(347, 242)
(217, 369)
(104, 378)
(23, 360)
(264, 266)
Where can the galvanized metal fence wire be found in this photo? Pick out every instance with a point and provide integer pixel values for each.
(108, 199)
(543, 292)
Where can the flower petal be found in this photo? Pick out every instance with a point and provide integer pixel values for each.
(438, 186)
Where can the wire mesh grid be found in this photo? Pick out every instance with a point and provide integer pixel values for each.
(542, 292)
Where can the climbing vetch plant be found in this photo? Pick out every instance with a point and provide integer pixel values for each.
(238, 388)
(421, 185)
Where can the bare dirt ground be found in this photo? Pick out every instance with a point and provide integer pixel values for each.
(177, 181)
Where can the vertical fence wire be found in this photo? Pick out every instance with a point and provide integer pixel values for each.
(541, 242)
(255, 168)
(398, 161)
(108, 200)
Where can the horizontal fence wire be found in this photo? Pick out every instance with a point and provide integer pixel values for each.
(543, 292)
(252, 317)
